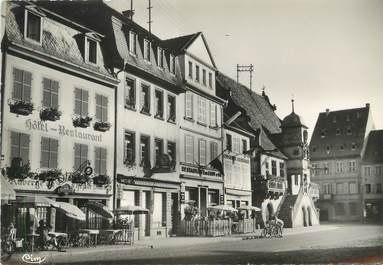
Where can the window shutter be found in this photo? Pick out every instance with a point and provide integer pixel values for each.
(55, 94)
(105, 109)
(85, 99)
(189, 105)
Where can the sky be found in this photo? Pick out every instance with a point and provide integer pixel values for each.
(323, 53)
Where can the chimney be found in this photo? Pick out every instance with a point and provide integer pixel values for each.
(367, 105)
(327, 111)
(128, 14)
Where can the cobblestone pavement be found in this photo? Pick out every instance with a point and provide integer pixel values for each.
(330, 243)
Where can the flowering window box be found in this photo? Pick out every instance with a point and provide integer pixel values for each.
(102, 126)
(18, 170)
(50, 114)
(21, 107)
(82, 122)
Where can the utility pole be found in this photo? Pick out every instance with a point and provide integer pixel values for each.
(246, 68)
(150, 21)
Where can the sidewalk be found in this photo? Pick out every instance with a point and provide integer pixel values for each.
(170, 242)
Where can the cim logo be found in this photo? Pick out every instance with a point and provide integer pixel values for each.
(30, 259)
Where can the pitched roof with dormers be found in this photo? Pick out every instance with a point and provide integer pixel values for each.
(116, 27)
(339, 134)
(374, 148)
(257, 107)
(62, 40)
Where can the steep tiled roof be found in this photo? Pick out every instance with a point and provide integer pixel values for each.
(179, 43)
(58, 39)
(255, 105)
(115, 26)
(374, 148)
(339, 129)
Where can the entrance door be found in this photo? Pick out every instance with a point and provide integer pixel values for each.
(174, 212)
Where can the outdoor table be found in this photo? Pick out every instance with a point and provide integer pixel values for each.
(111, 235)
(92, 233)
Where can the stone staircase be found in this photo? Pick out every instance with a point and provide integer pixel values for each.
(286, 208)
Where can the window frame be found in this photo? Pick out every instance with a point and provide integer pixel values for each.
(87, 50)
(171, 114)
(147, 50)
(20, 148)
(160, 58)
(82, 101)
(81, 146)
(142, 161)
(191, 154)
(202, 153)
(172, 64)
(101, 160)
(104, 108)
(26, 19)
(132, 43)
(23, 84)
(131, 104)
(189, 94)
(159, 105)
(126, 149)
(51, 93)
(145, 107)
(50, 153)
(157, 156)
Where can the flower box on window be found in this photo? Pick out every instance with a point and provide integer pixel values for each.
(102, 126)
(82, 122)
(159, 115)
(18, 170)
(172, 118)
(101, 180)
(21, 107)
(50, 175)
(50, 114)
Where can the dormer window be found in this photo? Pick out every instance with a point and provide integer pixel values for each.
(338, 131)
(91, 48)
(341, 147)
(147, 50)
(33, 26)
(353, 146)
(172, 64)
(349, 131)
(323, 133)
(132, 42)
(160, 57)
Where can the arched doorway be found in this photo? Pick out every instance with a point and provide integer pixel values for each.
(304, 216)
(309, 216)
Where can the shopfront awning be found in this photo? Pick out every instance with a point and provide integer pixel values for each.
(71, 210)
(7, 192)
(35, 201)
(100, 209)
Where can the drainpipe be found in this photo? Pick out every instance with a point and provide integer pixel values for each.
(115, 140)
(2, 99)
(223, 160)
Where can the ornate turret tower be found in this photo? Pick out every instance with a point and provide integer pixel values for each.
(294, 145)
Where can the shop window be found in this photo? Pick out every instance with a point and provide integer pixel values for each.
(80, 155)
(353, 206)
(49, 152)
(33, 26)
(188, 105)
(202, 152)
(100, 161)
(229, 142)
(130, 93)
(91, 51)
(20, 146)
(81, 102)
(133, 43)
(172, 108)
(145, 151)
(159, 209)
(145, 99)
(50, 93)
(147, 50)
(22, 83)
(340, 209)
(159, 148)
(172, 151)
(130, 148)
(101, 108)
(159, 104)
(189, 149)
